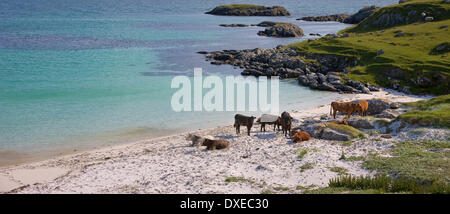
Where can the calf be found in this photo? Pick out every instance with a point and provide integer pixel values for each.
(276, 123)
(216, 144)
(286, 123)
(240, 119)
(300, 136)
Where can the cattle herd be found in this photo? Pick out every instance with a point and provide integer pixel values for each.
(285, 121)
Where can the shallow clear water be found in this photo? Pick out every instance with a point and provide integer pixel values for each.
(86, 73)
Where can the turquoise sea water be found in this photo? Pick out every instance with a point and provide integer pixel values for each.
(83, 74)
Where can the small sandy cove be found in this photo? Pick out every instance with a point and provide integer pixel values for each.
(256, 163)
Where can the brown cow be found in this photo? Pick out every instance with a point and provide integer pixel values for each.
(344, 107)
(276, 123)
(364, 106)
(240, 119)
(300, 136)
(216, 144)
(286, 123)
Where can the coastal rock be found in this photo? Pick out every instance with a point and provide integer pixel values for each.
(360, 15)
(376, 106)
(388, 113)
(249, 10)
(334, 18)
(286, 63)
(424, 82)
(379, 52)
(363, 123)
(233, 25)
(252, 72)
(315, 130)
(282, 30)
(429, 18)
(266, 24)
(372, 87)
(330, 134)
(395, 105)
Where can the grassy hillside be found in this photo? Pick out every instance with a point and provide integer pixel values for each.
(403, 14)
(433, 112)
(405, 55)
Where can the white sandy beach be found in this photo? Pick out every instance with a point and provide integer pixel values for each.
(262, 161)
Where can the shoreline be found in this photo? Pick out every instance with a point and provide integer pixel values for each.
(61, 169)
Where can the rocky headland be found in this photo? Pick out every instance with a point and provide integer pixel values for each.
(328, 18)
(249, 10)
(344, 18)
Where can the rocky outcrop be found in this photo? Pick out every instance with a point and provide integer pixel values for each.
(335, 18)
(328, 132)
(378, 106)
(233, 25)
(266, 24)
(282, 30)
(287, 63)
(360, 15)
(249, 10)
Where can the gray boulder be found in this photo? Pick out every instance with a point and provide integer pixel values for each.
(330, 134)
(376, 106)
(388, 113)
(315, 130)
(362, 123)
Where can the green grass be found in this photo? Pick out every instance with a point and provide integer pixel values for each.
(342, 156)
(423, 161)
(431, 103)
(268, 192)
(347, 143)
(356, 158)
(238, 179)
(339, 170)
(301, 153)
(299, 187)
(347, 130)
(306, 167)
(433, 112)
(281, 188)
(384, 183)
(410, 53)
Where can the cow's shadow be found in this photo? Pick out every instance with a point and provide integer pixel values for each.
(266, 136)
